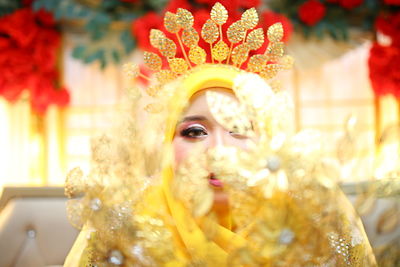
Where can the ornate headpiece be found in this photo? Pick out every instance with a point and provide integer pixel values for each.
(243, 37)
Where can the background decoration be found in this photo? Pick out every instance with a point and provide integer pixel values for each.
(334, 18)
(29, 43)
(107, 24)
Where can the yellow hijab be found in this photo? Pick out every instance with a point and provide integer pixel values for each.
(190, 241)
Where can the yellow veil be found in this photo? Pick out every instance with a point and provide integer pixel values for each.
(289, 212)
(286, 223)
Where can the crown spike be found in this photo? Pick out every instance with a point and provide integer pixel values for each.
(183, 50)
(242, 36)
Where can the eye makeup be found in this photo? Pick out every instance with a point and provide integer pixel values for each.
(193, 131)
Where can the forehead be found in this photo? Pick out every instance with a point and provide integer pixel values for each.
(198, 102)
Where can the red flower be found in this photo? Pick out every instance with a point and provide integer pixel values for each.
(229, 5)
(384, 72)
(392, 2)
(45, 18)
(17, 69)
(350, 4)
(20, 26)
(311, 12)
(141, 29)
(390, 25)
(249, 3)
(29, 45)
(61, 97)
(269, 18)
(173, 5)
(46, 43)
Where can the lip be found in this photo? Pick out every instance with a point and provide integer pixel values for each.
(212, 180)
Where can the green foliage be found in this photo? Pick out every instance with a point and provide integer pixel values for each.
(106, 44)
(337, 20)
(9, 6)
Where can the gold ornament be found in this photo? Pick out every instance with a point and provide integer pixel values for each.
(242, 37)
(219, 14)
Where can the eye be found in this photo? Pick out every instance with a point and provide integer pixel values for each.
(237, 135)
(194, 132)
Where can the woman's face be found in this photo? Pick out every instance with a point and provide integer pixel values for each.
(199, 131)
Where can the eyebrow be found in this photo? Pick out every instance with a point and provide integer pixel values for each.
(193, 118)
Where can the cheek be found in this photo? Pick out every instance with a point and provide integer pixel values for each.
(180, 150)
(184, 148)
(241, 143)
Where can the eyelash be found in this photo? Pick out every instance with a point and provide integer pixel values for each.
(194, 132)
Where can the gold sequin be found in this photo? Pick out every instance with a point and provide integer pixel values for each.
(236, 32)
(131, 69)
(152, 61)
(178, 65)
(155, 37)
(250, 18)
(167, 48)
(171, 22)
(255, 39)
(270, 71)
(220, 51)
(197, 55)
(165, 76)
(240, 54)
(219, 14)
(275, 51)
(154, 108)
(210, 32)
(286, 62)
(190, 37)
(257, 63)
(275, 32)
(185, 18)
(153, 90)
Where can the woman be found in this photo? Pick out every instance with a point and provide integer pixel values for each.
(213, 176)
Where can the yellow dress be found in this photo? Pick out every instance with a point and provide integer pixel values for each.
(285, 209)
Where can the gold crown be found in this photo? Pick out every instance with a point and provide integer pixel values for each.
(241, 34)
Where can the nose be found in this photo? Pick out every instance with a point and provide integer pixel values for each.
(220, 137)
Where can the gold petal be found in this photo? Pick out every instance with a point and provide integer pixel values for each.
(236, 32)
(171, 22)
(131, 70)
(75, 213)
(74, 184)
(155, 37)
(185, 18)
(219, 14)
(220, 51)
(167, 47)
(276, 85)
(165, 76)
(240, 54)
(286, 62)
(152, 61)
(250, 18)
(153, 90)
(270, 71)
(197, 55)
(178, 65)
(275, 32)
(190, 37)
(153, 108)
(275, 51)
(257, 63)
(229, 113)
(210, 32)
(255, 39)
